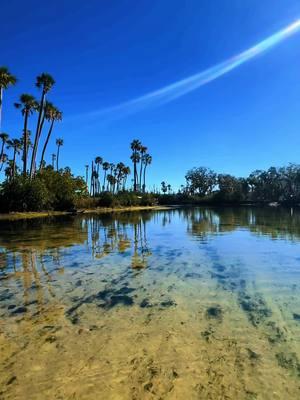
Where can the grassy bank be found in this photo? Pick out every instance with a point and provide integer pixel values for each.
(103, 210)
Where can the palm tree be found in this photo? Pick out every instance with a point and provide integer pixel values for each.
(44, 82)
(9, 169)
(3, 160)
(112, 181)
(28, 106)
(16, 145)
(105, 167)
(98, 162)
(126, 172)
(147, 160)
(4, 137)
(53, 159)
(59, 143)
(119, 174)
(51, 114)
(6, 80)
(143, 151)
(135, 157)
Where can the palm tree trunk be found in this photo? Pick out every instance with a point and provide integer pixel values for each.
(2, 150)
(86, 175)
(37, 133)
(103, 187)
(57, 156)
(14, 163)
(2, 163)
(134, 173)
(46, 144)
(141, 171)
(25, 144)
(144, 183)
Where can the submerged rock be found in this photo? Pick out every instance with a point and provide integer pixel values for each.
(214, 312)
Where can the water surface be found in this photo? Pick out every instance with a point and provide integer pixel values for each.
(182, 304)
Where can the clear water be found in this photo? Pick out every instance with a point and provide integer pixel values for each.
(181, 304)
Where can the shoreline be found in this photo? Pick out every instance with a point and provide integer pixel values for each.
(14, 216)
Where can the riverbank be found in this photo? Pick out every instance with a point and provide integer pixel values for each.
(100, 210)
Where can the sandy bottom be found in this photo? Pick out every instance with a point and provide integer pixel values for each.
(198, 346)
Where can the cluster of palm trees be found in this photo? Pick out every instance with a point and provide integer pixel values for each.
(115, 176)
(113, 180)
(140, 156)
(166, 187)
(28, 105)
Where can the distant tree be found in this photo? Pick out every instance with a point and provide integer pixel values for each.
(201, 180)
(59, 143)
(135, 158)
(53, 157)
(6, 80)
(105, 167)
(86, 174)
(164, 187)
(16, 145)
(28, 106)
(98, 162)
(4, 138)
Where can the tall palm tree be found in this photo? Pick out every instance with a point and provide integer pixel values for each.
(6, 80)
(28, 106)
(44, 82)
(4, 138)
(51, 114)
(16, 145)
(147, 161)
(59, 143)
(105, 167)
(119, 174)
(112, 167)
(135, 157)
(98, 162)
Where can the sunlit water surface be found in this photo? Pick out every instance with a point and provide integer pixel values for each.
(180, 304)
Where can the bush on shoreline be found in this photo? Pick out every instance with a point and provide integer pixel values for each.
(49, 190)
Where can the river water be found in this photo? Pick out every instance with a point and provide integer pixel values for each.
(192, 303)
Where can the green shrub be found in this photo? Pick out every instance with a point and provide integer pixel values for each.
(22, 194)
(48, 190)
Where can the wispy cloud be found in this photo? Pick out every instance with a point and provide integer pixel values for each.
(187, 85)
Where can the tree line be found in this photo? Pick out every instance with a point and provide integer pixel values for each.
(280, 184)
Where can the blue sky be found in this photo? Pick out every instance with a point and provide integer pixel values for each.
(103, 53)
